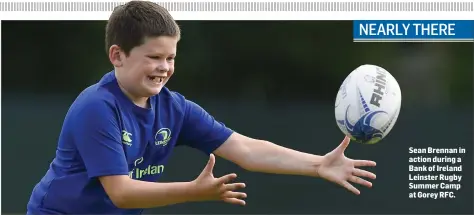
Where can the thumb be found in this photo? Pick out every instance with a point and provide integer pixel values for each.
(210, 164)
(342, 147)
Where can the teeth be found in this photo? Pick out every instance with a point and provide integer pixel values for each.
(157, 79)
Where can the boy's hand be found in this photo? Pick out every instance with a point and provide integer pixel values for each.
(337, 168)
(208, 188)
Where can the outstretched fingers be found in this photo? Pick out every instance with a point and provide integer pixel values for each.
(210, 164)
(358, 180)
(227, 178)
(363, 173)
(350, 187)
(342, 147)
(234, 186)
(358, 163)
(230, 194)
(228, 190)
(232, 197)
(234, 201)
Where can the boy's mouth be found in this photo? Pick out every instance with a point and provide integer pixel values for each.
(156, 79)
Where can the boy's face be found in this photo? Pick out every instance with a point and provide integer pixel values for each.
(148, 67)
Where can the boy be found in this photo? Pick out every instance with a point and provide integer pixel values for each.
(119, 133)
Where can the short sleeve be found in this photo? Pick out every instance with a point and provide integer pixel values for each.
(200, 130)
(97, 137)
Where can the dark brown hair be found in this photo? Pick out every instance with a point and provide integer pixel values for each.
(130, 24)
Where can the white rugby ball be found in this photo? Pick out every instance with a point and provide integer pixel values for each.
(367, 104)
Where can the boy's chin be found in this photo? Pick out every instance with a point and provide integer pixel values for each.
(152, 91)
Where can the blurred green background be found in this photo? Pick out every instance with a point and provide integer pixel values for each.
(275, 80)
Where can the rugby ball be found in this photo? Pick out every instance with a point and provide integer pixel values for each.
(368, 104)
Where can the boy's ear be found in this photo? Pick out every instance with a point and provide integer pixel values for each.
(116, 56)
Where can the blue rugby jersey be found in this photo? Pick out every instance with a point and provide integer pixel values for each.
(104, 133)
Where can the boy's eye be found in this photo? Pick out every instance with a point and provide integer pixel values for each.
(158, 57)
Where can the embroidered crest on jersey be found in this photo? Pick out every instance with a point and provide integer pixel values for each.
(126, 140)
(162, 137)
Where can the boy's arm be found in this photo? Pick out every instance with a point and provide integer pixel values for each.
(264, 156)
(129, 193)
